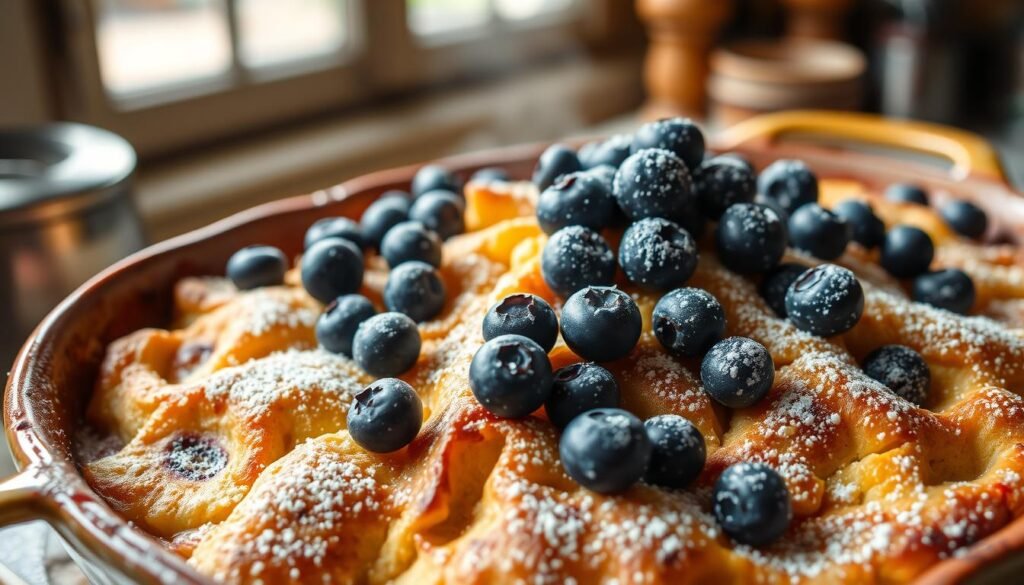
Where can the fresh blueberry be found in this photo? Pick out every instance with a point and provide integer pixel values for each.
(722, 181)
(575, 199)
(335, 227)
(657, 254)
(432, 178)
(906, 193)
(907, 251)
(865, 227)
(385, 416)
(600, 323)
(772, 204)
(490, 175)
(337, 325)
(825, 300)
(653, 183)
(608, 152)
(606, 175)
(949, 289)
(790, 182)
(737, 372)
(331, 268)
(415, 289)
(256, 266)
(605, 450)
(902, 370)
(510, 376)
(382, 215)
(386, 345)
(776, 283)
(439, 211)
(579, 388)
(751, 503)
(575, 257)
(410, 240)
(678, 451)
(818, 232)
(751, 238)
(556, 161)
(678, 135)
(522, 314)
(966, 218)
(688, 321)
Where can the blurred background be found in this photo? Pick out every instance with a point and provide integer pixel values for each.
(196, 109)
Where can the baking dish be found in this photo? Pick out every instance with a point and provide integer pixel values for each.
(54, 373)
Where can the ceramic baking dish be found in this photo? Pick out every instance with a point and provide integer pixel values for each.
(50, 382)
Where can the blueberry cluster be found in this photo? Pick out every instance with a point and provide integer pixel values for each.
(907, 251)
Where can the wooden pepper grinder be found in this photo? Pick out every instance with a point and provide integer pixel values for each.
(819, 19)
(681, 34)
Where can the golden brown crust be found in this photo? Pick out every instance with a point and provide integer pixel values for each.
(881, 489)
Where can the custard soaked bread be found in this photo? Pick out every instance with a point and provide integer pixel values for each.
(872, 432)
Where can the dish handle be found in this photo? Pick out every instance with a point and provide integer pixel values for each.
(21, 497)
(971, 155)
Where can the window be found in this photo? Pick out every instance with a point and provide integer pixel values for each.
(171, 74)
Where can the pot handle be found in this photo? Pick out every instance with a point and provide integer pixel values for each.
(971, 155)
(21, 497)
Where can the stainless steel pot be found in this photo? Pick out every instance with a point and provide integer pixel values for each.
(66, 213)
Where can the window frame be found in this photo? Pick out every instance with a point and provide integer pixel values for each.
(382, 57)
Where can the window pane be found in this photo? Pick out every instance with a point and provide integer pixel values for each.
(275, 31)
(428, 17)
(526, 9)
(149, 43)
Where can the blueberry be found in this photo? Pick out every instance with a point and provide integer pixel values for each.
(556, 161)
(739, 159)
(818, 232)
(737, 372)
(579, 388)
(906, 193)
(609, 152)
(751, 503)
(575, 257)
(605, 450)
(491, 175)
(907, 251)
(410, 240)
(949, 289)
(865, 227)
(510, 376)
(335, 227)
(776, 283)
(606, 175)
(790, 182)
(678, 451)
(825, 300)
(382, 215)
(522, 314)
(439, 211)
(902, 370)
(385, 416)
(256, 266)
(331, 268)
(600, 323)
(657, 254)
(386, 345)
(966, 218)
(688, 321)
(415, 289)
(653, 183)
(722, 181)
(677, 135)
(751, 238)
(575, 199)
(337, 325)
(432, 178)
